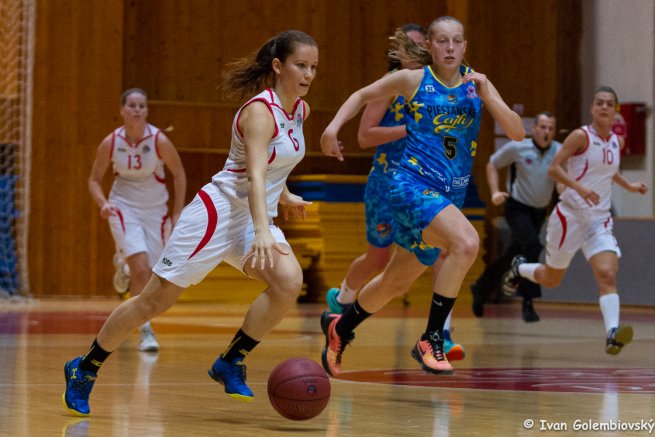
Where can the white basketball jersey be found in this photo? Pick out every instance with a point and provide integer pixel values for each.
(285, 149)
(594, 167)
(138, 169)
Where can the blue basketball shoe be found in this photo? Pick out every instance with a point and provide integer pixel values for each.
(335, 306)
(78, 387)
(233, 376)
(454, 351)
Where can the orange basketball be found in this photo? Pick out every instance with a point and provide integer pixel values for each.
(299, 389)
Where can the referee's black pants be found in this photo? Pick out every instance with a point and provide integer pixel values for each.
(525, 224)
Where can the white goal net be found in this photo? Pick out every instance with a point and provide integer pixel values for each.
(17, 19)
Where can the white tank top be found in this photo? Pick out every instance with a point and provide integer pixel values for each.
(285, 150)
(139, 177)
(594, 168)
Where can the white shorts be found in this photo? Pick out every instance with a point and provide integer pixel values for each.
(138, 230)
(211, 229)
(570, 229)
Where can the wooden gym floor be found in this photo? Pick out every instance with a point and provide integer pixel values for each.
(517, 378)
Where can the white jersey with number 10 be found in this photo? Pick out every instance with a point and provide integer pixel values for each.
(594, 167)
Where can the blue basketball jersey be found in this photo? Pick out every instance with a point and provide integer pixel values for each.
(387, 156)
(442, 130)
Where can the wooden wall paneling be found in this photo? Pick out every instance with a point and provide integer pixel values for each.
(567, 62)
(170, 48)
(195, 126)
(195, 40)
(200, 132)
(77, 84)
(520, 46)
(352, 37)
(200, 167)
(88, 52)
(9, 51)
(526, 49)
(9, 69)
(356, 54)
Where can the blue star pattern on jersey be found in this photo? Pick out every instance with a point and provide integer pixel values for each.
(380, 224)
(442, 130)
(387, 156)
(414, 206)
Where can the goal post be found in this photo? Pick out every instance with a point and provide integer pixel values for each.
(17, 21)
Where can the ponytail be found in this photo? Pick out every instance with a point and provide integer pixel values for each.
(405, 49)
(248, 75)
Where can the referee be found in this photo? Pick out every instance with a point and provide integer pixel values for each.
(529, 193)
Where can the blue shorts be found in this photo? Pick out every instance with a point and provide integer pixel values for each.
(380, 224)
(414, 207)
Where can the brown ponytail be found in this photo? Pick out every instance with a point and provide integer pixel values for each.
(248, 75)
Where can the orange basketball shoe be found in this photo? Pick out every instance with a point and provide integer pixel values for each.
(334, 344)
(430, 354)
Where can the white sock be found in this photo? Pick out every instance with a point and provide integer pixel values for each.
(346, 294)
(527, 270)
(446, 325)
(146, 326)
(610, 307)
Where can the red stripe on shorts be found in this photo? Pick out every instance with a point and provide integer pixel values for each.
(163, 228)
(563, 220)
(212, 219)
(120, 217)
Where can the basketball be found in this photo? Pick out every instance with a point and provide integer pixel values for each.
(299, 388)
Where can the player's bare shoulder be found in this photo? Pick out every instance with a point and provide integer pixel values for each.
(256, 113)
(409, 75)
(406, 81)
(576, 140)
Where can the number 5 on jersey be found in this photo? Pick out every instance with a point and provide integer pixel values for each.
(450, 147)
